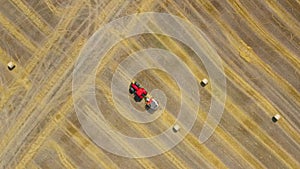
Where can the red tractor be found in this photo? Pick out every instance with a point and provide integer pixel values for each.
(140, 94)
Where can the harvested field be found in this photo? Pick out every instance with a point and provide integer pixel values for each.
(61, 49)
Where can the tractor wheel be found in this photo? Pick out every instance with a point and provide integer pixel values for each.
(131, 90)
(137, 84)
(137, 98)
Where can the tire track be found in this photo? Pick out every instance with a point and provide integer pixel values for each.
(47, 46)
(27, 114)
(65, 160)
(16, 32)
(33, 16)
(143, 164)
(47, 88)
(56, 35)
(43, 136)
(33, 165)
(53, 8)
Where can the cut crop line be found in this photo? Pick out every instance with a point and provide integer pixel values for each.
(263, 33)
(43, 136)
(94, 152)
(284, 16)
(234, 39)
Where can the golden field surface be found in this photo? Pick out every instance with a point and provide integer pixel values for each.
(258, 42)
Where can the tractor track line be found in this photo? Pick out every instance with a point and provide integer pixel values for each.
(144, 166)
(64, 159)
(275, 76)
(31, 152)
(33, 16)
(33, 165)
(17, 33)
(55, 80)
(56, 35)
(36, 101)
(282, 153)
(56, 10)
(30, 68)
(234, 38)
(261, 135)
(46, 47)
(58, 118)
(44, 50)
